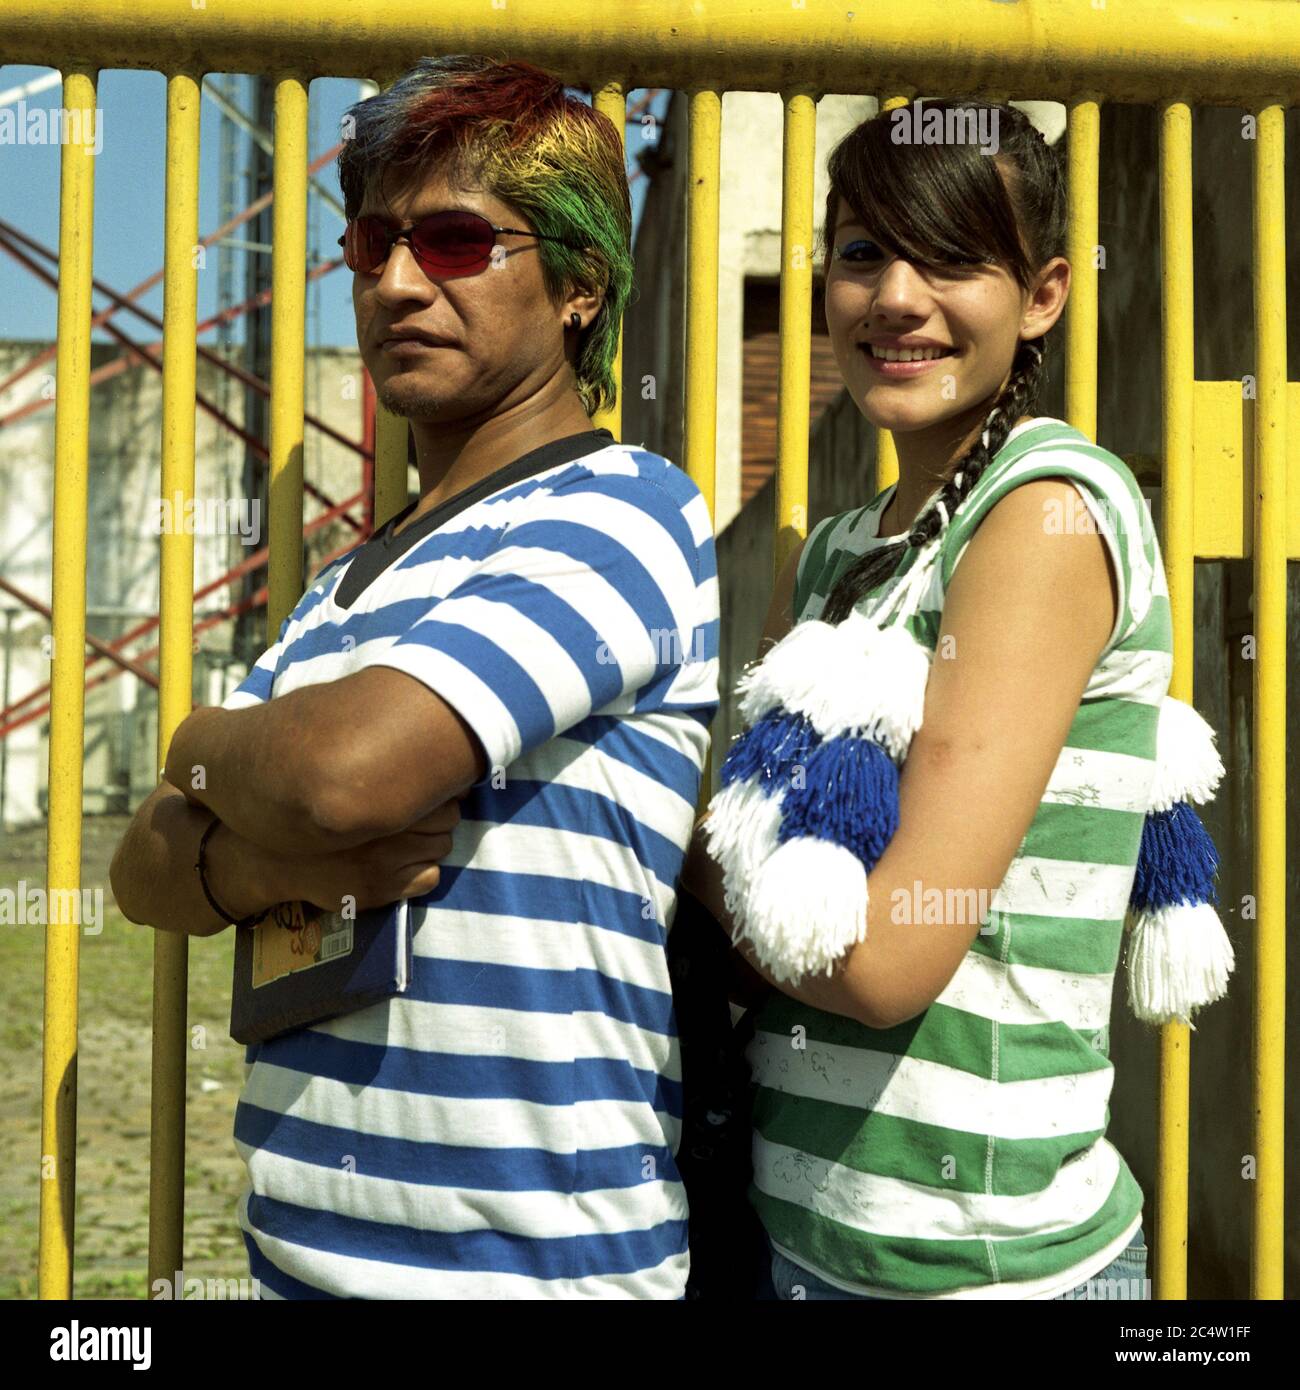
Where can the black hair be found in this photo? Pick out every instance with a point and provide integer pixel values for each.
(940, 205)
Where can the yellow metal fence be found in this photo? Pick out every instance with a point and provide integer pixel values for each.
(1224, 457)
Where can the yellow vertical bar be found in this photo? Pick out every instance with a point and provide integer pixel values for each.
(792, 414)
(391, 468)
(703, 176)
(886, 449)
(1177, 525)
(610, 99)
(288, 323)
(67, 691)
(1084, 147)
(1269, 560)
(703, 180)
(886, 459)
(175, 680)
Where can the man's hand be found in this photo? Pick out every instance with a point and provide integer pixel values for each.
(404, 865)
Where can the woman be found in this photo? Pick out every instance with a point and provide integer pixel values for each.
(929, 1119)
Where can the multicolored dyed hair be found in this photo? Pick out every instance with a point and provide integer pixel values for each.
(510, 128)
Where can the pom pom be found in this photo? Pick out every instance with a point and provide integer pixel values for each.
(804, 908)
(740, 834)
(1188, 766)
(764, 752)
(849, 796)
(1179, 960)
(789, 671)
(1176, 862)
(851, 677)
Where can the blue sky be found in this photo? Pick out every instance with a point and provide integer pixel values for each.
(129, 189)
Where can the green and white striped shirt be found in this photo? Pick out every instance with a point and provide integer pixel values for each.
(963, 1154)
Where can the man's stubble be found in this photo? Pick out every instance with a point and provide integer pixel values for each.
(410, 406)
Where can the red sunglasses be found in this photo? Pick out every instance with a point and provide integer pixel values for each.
(445, 244)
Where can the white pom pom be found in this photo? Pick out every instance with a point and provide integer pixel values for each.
(804, 908)
(854, 676)
(1188, 766)
(789, 671)
(740, 834)
(1179, 960)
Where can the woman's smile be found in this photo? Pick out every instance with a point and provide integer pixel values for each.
(896, 369)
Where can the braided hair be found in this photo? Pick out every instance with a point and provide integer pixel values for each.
(941, 205)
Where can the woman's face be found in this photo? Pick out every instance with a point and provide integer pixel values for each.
(968, 319)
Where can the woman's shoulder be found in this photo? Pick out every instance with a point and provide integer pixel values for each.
(1105, 499)
(1046, 447)
(1107, 493)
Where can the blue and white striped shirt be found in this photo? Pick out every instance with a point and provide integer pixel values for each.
(507, 1127)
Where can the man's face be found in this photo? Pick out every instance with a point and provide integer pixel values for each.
(500, 336)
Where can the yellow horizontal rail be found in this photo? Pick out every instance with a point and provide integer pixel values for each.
(1223, 51)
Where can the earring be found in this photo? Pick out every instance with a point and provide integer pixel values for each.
(575, 319)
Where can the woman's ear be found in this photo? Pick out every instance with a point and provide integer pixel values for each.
(1047, 299)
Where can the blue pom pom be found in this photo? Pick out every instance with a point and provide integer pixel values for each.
(849, 797)
(766, 751)
(1177, 861)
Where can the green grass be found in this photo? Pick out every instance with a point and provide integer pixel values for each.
(113, 1113)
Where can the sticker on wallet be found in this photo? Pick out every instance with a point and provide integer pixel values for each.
(286, 940)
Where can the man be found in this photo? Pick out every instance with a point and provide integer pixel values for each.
(546, 656)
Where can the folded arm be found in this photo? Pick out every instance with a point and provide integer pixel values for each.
(155, 877)
(296, 782)
(328, 766)
(564, 616)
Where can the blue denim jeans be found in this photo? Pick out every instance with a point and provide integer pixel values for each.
(1123, 1278)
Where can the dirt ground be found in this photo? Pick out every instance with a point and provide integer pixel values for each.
(113, 1113)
